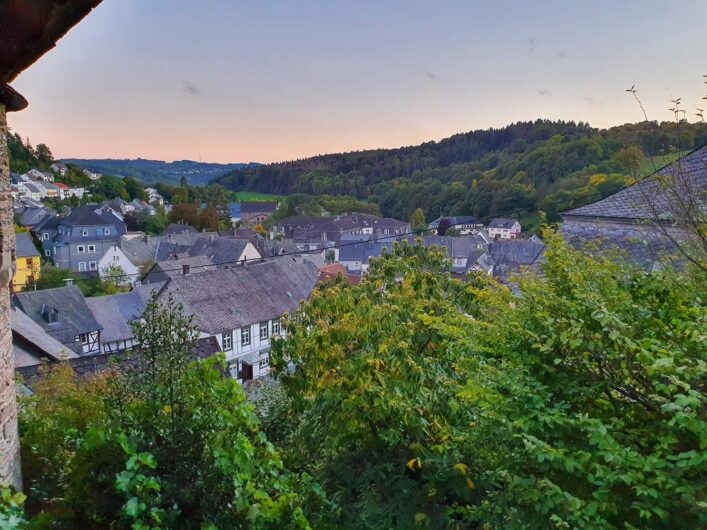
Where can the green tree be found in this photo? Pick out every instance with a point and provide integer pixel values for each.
(417, 221)
(44, 155)
(373, 396)
(134, 189)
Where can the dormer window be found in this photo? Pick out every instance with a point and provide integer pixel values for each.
(49, 314)
(106, 231)
(84, 232)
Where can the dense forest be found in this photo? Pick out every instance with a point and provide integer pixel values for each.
(548, 165)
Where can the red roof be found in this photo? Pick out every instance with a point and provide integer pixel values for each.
(328, 272)
(61, 185)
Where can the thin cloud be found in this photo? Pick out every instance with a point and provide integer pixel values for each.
(532, 44)
(544, 92)
(561, 54)
(431, 75)
(190, 88)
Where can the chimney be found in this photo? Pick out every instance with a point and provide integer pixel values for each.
(68, 281)
(185, 269)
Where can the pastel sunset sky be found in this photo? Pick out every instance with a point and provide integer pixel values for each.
(267, 80)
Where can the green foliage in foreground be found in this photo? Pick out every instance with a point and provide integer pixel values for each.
(417, 401)
(421, 402)
(163, 443)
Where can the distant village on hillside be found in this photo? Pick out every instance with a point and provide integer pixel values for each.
(238, 283)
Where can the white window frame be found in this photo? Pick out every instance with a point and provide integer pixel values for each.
(83, 337)
(91, 249)
(82, 266)
(275, 326)
(47, 253)
(84, 232)
(245, 336)
(92, 266)
(265, 326)
(262, 363)
(45, 236)
(106, 231)
(227, 341)
(81, 249)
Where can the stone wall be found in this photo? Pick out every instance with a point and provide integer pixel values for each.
(10, 471)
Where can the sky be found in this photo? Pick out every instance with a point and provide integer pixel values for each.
(271, 80)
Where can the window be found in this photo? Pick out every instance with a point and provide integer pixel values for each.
(29, 263)
(48, 253)
(92, 265)
(106, 231)
(276, 327)
(80, 249)
(92, 248)
(82, 266)
(227, 341)
(245, 336)
(83, 338)
(45, 236)
(84, 232)
(264, 331)
(264, 362)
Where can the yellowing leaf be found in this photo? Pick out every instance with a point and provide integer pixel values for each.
(461, 468)
(414, 463)
(167, 409)
(470, 484)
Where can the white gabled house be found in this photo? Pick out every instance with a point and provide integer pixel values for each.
(504, 228)
(114, 255)
(242, 307)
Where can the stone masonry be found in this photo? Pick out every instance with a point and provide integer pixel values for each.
(10, 471)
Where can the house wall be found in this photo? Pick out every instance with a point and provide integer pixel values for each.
(250, 252)
(28, 271)
(10, 470)
(68, 256)
(115, 256)
(238, 351)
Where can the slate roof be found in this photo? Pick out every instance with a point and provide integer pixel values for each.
(107, 313)
(83, 216)
(457, 220)
(219, 250)
(33, 216)
(227, 299)
(172, 267)
(647, 197)
(24, 247)
(499, 222)
(253, 207)
(642, 244)
(509, 256)
(138, 251)
(132, 304)
(31, 343)
(178, 228)
(73, 312)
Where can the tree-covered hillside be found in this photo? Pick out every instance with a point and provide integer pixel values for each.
(521, 167)
(152, 171)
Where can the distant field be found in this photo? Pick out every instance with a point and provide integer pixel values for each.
(650, 165)
(255, 196)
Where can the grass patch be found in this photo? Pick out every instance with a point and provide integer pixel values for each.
(254, 196)
(530, 222)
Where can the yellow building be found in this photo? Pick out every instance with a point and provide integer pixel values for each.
(28, 261)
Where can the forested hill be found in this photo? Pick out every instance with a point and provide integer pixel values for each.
(151, 171)
(549, 165)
